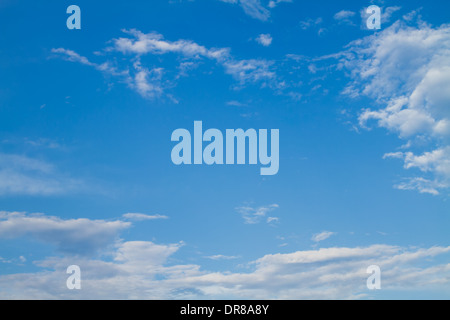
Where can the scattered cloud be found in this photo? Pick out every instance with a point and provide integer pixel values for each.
(141, 270)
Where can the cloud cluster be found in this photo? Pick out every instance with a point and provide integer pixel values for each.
(146, 270)
(21, 174)
(406, 70)
(322, 236)
(140, 270)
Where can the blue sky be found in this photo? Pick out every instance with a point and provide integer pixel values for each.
(86, 176)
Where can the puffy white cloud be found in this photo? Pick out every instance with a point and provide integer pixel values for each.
(77, 236)
(344, 16)
(24, 175)
(406, 69)
(264, 39)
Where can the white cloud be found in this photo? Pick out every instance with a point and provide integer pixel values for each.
(272, 219)
(421, 185)
(255, 215)
(77, 236)
(264, 40)
(141, 270)
(154, 43)
(143, 216)
(135, 255)
(406, 70)
(322, 236)
(274, 3)
(72, 56)
(344, 15)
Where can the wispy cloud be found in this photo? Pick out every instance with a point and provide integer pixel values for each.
(75, 236)
(344, 16)
(322, 236)
(255, 215)
(140, 270)
(222, 257)
(143, 216)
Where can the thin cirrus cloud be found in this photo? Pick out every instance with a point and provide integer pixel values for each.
(23, 175)
(404, 69)
(222, 257)
(146, 270)
(253, 8)
(143, 216)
